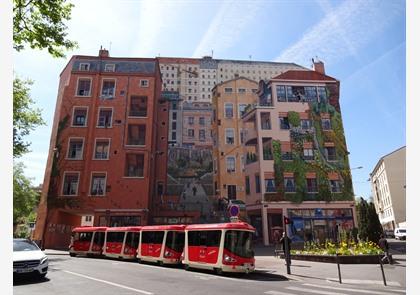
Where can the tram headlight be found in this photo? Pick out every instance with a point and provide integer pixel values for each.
(227, 258)
(168, 254)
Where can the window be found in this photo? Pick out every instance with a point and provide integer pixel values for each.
(281, 93)
(134, 165)
(102, 149)
(109, 67)
(97, 187)
(265, 121)
(191, 120)
(305, 124)
(228, 90)
(308, 154)
(228, 110)
(231, 190)
(84, 66)
(289, 185)
(322, 93)
(257, 184)
(312, 185)
(291, 94)
(75, 149)
(202, 121)
(136, 134)
(173, 125)
(270, 187)
(144, 83)
(247, 185)
(83, 87)
(70, 183)
(286, 156)
(202, 135)
(242, 135)
(191, 133)
(330, 153)
(108, 88)
(79, 117)
(284, 123)
(241, 109)
(173, 135)
(241, 90)
(230, 135)
(230, 164)
(105, 118)
(335, 186)
(326, 124)
(310, 93)
(138, 106)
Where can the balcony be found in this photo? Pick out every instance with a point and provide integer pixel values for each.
(274, 197)
(250, 137)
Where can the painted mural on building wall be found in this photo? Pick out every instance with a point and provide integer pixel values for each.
(190, 163)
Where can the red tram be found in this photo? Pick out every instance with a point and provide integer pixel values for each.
(87, 240)
(122, 242)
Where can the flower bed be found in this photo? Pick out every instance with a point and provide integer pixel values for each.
(346, 252)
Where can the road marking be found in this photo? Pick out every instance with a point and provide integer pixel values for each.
(278, 293)
(314, 291)
(395, 284)
(400, 291)
(349, 289)
(109, 283)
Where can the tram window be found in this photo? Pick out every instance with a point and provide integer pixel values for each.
(194, 238)
(239, 243)
(175, 241)
(115, 237)
(152, 237)
(132, 239)
(85, 237)
(99, 238)
(213, 238)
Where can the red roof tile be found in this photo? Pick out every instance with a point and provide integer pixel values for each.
(303, 75)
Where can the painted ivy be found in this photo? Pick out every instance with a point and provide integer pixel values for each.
(299, 166)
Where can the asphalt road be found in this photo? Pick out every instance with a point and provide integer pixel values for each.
(78, 275)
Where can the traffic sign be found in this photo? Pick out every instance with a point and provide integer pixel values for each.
(234, 210)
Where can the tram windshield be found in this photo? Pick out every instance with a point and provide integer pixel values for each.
(239, 243)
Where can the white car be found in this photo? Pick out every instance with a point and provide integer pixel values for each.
(28, 258)
(400, 233)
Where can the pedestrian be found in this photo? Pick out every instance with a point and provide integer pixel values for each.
(383, 244)
(276, 239)
(283, 242)
(194, 190)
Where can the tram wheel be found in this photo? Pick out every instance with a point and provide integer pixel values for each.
(72, 255)
(218, 271)
(139, 260)
(186, 267)
(160, 263)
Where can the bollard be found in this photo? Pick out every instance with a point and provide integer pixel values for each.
(382, 269)
(338, 266)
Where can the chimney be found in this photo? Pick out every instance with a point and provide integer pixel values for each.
(103, 52)
(318, 66)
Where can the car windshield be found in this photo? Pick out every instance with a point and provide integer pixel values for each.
(24, 246)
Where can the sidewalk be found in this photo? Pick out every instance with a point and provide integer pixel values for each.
(350, 273)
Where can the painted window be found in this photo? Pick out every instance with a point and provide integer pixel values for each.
(134, 165)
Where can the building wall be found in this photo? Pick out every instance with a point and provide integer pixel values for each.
(123, 195)
(222, 150)
(388, 189)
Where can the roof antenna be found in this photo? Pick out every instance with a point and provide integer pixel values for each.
(212, 53)
(250, 56)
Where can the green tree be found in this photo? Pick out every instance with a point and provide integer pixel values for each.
(25, 117)
(40, 24)
(368, 221)
(25, 198)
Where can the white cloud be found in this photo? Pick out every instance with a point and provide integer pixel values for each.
(225, 29)
(343, 31)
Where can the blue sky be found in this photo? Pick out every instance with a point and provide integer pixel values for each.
(362, 44)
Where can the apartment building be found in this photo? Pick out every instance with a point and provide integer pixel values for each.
(230, 100)
(297, 160)
(388, 189)
(108, 148)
